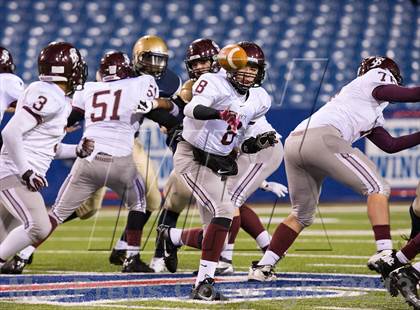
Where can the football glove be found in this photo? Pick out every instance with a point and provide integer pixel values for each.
(276, 188)
(85, 147)
(146, 106)
(266, 139)
(34, 181)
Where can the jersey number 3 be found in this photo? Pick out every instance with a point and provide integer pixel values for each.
(102, 106)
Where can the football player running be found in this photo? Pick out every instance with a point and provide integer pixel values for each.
(200, 58)
(112, 109)
(11, 86)
(214, 120)
(30, 143)
(253, 168)
(355, 112)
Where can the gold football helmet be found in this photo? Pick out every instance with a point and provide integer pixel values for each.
(150, 56)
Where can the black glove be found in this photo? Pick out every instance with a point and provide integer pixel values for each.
(34, 181)
(266, 139)
(260, 142)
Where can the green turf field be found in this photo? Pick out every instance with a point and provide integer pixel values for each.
(340, 241)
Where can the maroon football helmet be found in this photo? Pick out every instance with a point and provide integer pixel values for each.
(6, 61)
(202, 50)
(373, 62)
(62, 62)
(256, 59)
(115, 66)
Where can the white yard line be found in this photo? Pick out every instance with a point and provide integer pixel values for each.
(283, 209)
(341, 308)
(338, 265)
(237, 253)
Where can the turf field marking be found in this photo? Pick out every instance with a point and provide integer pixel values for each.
(195, 252)
(341, 308)
(337, 265)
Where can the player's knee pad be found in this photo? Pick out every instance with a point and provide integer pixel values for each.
(225, 210)
(39, 231)
(304, 218)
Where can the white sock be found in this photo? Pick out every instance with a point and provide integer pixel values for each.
(132, 250)
(15, 241)
(269, 258)
(384, 244)
(402, 258)
(26, 252)
(121, 245)
(417, 266)
(206, 270)
(263, 239)
(175, 235)
(227, 252)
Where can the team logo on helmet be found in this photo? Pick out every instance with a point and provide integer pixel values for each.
(377, 62)
(5, 55)
(74, 57)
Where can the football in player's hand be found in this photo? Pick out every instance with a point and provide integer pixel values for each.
(232, 57)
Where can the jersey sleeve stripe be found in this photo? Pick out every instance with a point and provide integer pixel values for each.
(36, 116)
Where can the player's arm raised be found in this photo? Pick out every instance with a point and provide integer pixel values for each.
(396, 93)
(389, 144)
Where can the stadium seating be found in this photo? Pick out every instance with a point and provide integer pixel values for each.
(300, 38)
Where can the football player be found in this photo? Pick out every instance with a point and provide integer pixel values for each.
(30, 143)
(11, 86)
(150, 56)
(321, 146)
(253, 169)
(200, 58)
(205, 157)
(109, 108)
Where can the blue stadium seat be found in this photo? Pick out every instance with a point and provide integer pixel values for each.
(303, 33)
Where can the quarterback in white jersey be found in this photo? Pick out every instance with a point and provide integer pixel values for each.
(321, 146)
(30, 141)
(205, 159)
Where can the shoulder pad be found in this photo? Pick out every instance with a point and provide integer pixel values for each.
(169, 84)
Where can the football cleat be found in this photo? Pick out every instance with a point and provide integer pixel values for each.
(373, 261)
(15, 265)
(206, 291)
(135, 264)
(117, 257)
(158, 264)
(405, 280)
(171, 250)
(261, 273)
(224, 267)
(386, 265)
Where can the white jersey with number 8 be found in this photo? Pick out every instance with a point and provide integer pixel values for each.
(109, 109)
(215, 91)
